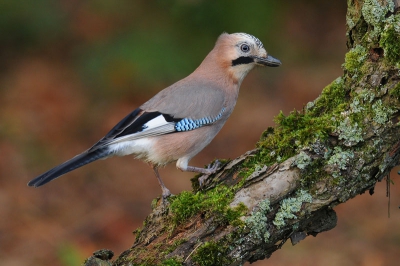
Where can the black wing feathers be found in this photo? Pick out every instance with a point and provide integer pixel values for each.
(118, 128)
(132, 123)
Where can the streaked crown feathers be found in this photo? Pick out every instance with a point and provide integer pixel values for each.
(255, 39)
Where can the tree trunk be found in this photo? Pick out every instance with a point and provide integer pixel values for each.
(338, 147)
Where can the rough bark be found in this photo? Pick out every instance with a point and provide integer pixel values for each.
(338, 147)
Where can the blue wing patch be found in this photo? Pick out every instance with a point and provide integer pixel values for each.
(187, 124)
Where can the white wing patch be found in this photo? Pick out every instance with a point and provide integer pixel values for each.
(155, 127)
(155, 122)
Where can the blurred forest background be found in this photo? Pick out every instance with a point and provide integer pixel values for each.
(71, 69)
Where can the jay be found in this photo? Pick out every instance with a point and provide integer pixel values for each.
(179, 121)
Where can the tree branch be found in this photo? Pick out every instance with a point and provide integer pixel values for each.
(338, 147)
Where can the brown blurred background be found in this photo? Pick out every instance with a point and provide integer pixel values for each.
(70, 70)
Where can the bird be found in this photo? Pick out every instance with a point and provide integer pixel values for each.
(182, 119)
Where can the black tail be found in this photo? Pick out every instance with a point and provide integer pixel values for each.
(68, 166)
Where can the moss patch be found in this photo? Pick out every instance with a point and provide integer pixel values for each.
(211, 254)
(313, 173)
(395, 92)
(300, 129)
(212, 202)
(354, 59)
(390, 42)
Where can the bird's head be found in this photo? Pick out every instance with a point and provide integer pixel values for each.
(238, 53)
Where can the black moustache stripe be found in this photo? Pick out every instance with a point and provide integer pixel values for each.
(242, 60)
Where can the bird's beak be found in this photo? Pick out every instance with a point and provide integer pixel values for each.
(267, 61)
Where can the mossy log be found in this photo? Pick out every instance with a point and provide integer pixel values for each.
(338, 147)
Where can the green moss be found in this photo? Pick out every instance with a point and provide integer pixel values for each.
(257, 222)
(293, 131)
(354, 59)
(185, 205)
(215, 201)
(313, 173)
(290, 207)
(332, 98)
(382, 113)
(137, 232)
(211, 254)
(390, 42)
(299, 129)
(395, 92)
(232, 216)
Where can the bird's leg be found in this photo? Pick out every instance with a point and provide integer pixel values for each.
(165, 191)
(211, 168)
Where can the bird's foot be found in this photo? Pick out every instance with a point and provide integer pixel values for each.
(163, 200)
(165, 193)
(211, 169)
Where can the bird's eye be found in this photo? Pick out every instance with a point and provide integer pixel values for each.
(245, 48)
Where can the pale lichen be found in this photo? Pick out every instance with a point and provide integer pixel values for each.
(339, 160)
(382, 113)
(349, 132)
(355, 106)
(310, 105)
(290, 207)
(257, 222)
(302, 160)
(367, 96)
(374, 14)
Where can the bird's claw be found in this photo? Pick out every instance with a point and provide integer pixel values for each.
(211, 169)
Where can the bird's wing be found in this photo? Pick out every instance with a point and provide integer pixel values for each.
(188, 98)
(137, 124)
(174, 109)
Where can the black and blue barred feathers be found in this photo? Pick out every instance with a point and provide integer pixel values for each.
(187, 124)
